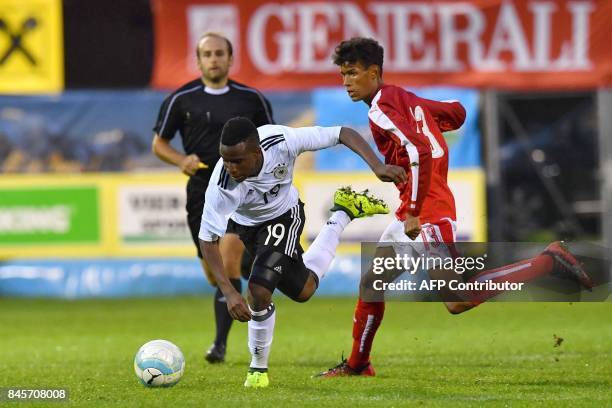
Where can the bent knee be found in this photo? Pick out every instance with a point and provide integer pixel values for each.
(308, 290)
(232, 268)
(303, 297)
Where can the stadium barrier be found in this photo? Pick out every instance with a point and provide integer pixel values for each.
(126, 235)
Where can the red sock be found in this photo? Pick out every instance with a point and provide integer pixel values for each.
(522, 271)
(368, 316)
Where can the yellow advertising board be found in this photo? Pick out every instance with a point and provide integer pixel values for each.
(31, 46)
(143, 215)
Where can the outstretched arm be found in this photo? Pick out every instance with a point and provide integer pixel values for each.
(353, 140)
(218, 206)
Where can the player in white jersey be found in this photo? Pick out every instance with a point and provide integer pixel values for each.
(251, 193)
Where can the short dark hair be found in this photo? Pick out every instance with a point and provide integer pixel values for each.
(230, 49)
(366, 51)
(238, 130)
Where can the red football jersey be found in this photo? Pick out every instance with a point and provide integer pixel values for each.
(408, 132)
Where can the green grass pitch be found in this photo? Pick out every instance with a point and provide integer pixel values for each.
(499, 354)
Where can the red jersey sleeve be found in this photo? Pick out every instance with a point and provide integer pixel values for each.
(449, 115)
(388, 113)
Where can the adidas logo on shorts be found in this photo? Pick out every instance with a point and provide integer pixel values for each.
(278, 269)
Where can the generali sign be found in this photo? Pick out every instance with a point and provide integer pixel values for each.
(545, 44)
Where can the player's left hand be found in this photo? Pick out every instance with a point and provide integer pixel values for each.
(389, 172)
(412, 227)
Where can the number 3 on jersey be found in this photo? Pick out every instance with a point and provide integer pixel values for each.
(436, 149)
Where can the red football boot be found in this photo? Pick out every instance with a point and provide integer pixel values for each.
(566, 266)
(343, 370)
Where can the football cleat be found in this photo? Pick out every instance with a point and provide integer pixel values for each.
(256, 379)
(358, 205)
(344, 370)
(215, 354)
(565, 264)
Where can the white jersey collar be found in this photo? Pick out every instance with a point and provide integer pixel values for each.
(215, 91)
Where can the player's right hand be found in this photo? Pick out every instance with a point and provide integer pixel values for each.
(190, 164)
(237, 307)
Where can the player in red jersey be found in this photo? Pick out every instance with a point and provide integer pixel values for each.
(408, 130)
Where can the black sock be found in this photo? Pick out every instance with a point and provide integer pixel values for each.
(222, 316)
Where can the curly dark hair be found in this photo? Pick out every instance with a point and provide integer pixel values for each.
(366, 51)
(238, 130)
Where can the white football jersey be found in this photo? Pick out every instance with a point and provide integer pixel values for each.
(271, 193)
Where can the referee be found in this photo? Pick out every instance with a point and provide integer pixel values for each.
(198, 110)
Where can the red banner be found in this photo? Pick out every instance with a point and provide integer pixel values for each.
(512, 44)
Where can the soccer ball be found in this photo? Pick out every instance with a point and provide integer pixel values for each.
(159, 363)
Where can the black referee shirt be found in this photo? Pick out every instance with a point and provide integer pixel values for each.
(199, 113)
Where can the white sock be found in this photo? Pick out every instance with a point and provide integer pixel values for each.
(322, 251)
(261, 330)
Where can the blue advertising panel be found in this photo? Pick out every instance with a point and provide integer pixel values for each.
(334, 107)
